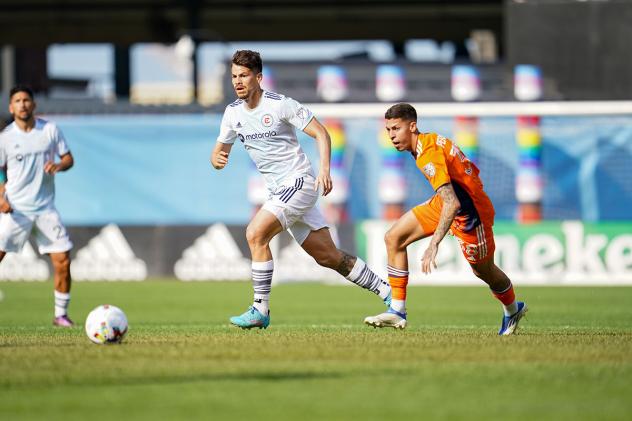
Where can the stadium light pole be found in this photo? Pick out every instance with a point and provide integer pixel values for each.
(193, 12)
(122, 81)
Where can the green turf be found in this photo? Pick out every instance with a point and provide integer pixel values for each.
(572, 358)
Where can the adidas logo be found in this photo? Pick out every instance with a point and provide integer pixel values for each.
(238, 126)
(213, 256)
(24, 266)
(109, 257)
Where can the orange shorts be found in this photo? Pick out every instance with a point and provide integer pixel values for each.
(477, 244)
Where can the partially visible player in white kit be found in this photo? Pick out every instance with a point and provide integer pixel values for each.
(28, 147)
(266, 122)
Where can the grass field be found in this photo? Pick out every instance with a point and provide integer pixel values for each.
(572, 358)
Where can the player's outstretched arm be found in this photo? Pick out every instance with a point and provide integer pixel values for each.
(319, 132)
(219, 156)
(66, 162)
(451, 206)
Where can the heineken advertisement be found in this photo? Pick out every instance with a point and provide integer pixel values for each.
(548, 253)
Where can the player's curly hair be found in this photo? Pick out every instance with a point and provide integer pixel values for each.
(249, 59)
(402, 110)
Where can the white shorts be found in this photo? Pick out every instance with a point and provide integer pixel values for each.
(50, 234)
(294, 205)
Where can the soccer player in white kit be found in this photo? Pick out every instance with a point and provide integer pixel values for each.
(266, 122)
(28, 147)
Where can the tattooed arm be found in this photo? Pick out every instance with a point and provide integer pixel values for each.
(451, 206)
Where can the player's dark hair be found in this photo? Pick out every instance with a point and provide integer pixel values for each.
(20, 88)
(249, 59)
(403, 111)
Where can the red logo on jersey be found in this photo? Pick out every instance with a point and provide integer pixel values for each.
(267, 120)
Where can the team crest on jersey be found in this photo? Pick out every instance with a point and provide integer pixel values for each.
(267, 120)
(441, 141)
(429, 169)
(302, 113)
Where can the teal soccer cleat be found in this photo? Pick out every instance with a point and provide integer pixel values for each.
(251, 318)
(510, 323)
(387, 300)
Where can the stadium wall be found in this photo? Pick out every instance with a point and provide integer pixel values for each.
(143, 202)
(154, 170)
(549, 253)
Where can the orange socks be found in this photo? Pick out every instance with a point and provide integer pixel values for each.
(398, 279)
(508, 298)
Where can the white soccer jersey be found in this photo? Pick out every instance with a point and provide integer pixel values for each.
(269, 135)
(28, 188)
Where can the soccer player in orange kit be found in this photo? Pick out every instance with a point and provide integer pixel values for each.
(460, 205)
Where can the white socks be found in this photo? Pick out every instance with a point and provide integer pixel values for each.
(398, 305)
(62, 299)
(262, 283)
(362, 276)
(511, 309)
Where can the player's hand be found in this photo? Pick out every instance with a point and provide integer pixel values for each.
(5, 207)
(51, 168)
(429, 258)
(324, 180)
(219, 160)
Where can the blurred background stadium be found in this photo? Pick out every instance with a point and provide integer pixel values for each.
(538, 93)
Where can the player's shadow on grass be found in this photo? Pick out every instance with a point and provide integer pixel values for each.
(268, 376)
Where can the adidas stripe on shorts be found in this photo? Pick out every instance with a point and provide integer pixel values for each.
(50, 234)
(294, 205)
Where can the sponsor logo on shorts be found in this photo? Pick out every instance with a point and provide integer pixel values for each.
(286, 193)
(470, 251)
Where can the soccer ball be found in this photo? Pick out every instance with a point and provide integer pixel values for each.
(106, 324)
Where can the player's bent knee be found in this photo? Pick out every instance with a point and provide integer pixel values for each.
(255, 235)
(392, 240)
(482, 270)
(61, 262)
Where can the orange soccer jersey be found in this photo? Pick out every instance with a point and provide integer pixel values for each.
(442, 162)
